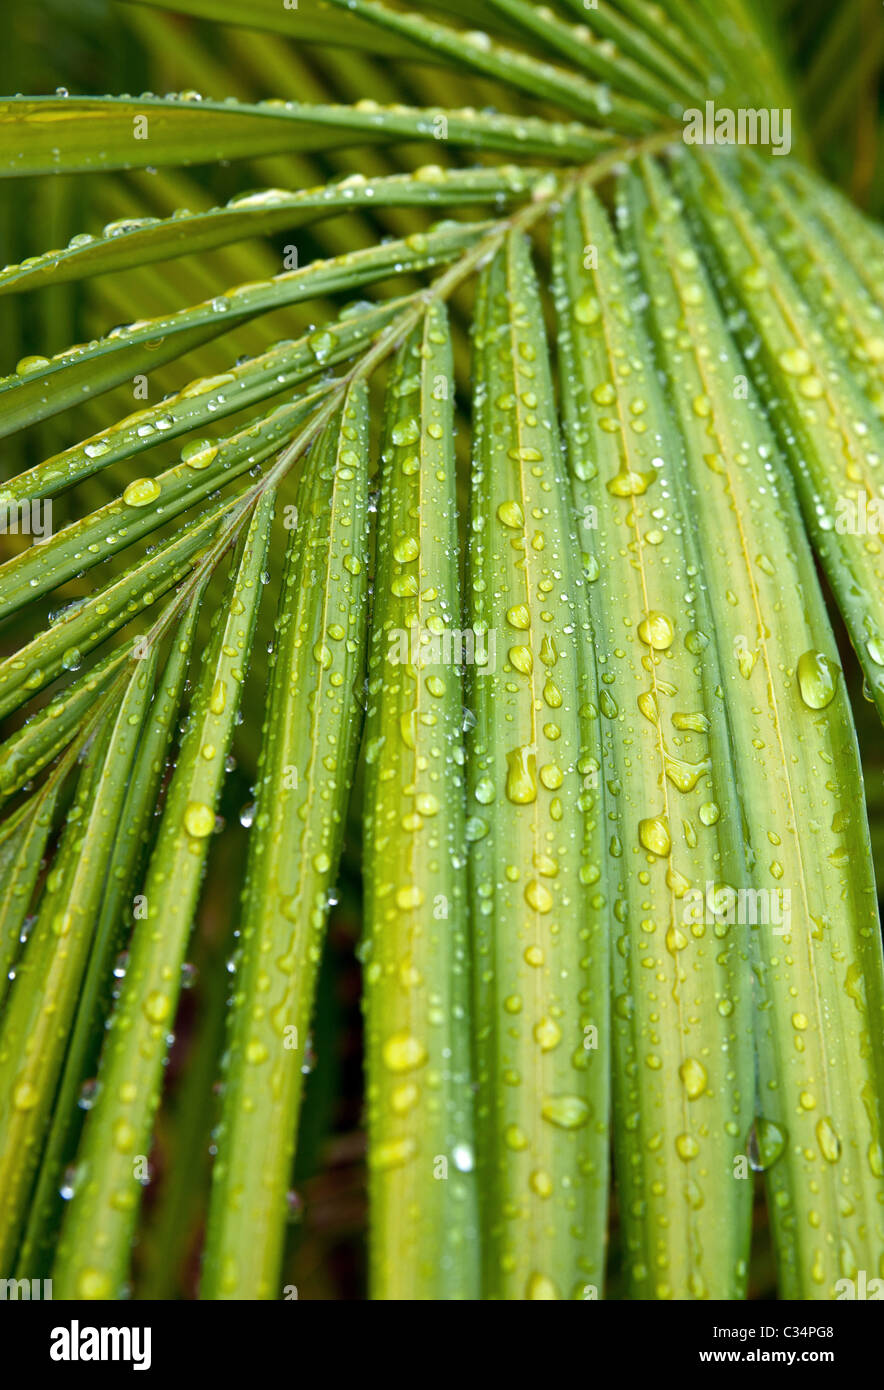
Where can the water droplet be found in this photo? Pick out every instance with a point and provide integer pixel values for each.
(463, 1159)
(93, 1284)
(547, 1034)
(392, 1154)
(141, 492)
(402, 1052)
(25, 1096)
(566, 1112)
(199, 819)
(409, 897)
(541, 1183)
(521, 781)
(518, 616)
(795, 361)
(30, 364)
(406, 431)
(656, 631)
(630, 484)
(654, 835)
(765, 1144)
(817, 677)
(538, 897)
(511, 514)
(521, 659)
(199, 453)
(686, 1147)
(694, 1078)
(587, 310)
(406, 550)
(157, 1006)
(515, 1138)
(830, 1144)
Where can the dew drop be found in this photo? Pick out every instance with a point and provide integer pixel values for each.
(141, 492)
(817, 677)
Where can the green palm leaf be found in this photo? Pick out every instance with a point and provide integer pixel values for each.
(101, 130)
(540, 956)
(617, 876)
(105, 1200)
(48, 979)
(304, 780)
(422, 1182)
(682, 1078)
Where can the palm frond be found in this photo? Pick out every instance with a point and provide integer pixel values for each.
(556, 683)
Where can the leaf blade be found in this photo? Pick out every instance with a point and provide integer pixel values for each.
(137, 242)
(100, 132)
(42, 1002)
(106, 1197)
(293, 866)
(683, 1083)
(416, 998)
(543, 1094)
(831, 432)
(811, 1040)
(42, 386)
(81, 1055)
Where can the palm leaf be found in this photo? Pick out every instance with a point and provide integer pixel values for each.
(43, 386)
(100, 131)
(124, 244)
(542, 1119)
(617, 875)
(675, 823)
(94, 995)
(105, 1200)
(417, 981)
(292, 866)
(833, 438)
(48, 979)
(776, 633)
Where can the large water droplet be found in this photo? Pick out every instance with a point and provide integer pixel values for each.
(765, 1144)
(817, 677)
